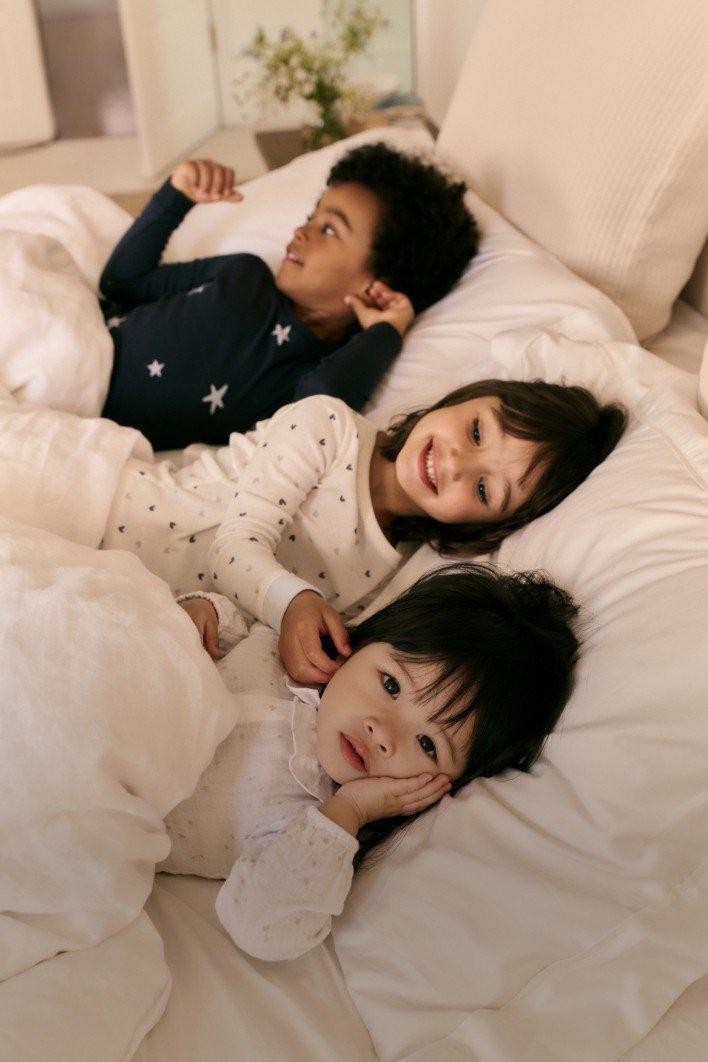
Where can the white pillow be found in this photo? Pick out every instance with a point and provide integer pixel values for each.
(55, 348)
(560, 914)
(585, 125)
(111, 710)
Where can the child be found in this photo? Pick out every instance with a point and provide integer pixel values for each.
(463, 676)
(304, 518)
(208, 347)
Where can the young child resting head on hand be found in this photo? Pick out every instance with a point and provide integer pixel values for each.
(209, 347)
(463, 676)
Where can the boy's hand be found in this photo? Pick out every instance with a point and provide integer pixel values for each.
(368, 799)
(203, 615)
(204, 181)
(381, 303)
(307, 618)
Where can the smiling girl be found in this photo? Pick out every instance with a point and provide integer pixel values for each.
(300, 521)
(462, 676)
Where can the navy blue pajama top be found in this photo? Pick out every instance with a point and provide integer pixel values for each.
(208, 347)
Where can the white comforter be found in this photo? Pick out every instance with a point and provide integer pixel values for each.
(54, 347)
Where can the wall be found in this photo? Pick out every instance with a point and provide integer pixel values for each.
(443, 29)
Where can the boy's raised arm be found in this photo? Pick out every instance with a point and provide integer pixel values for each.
(133, 273)
(353, 372)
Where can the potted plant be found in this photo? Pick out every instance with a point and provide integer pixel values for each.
(314, 68)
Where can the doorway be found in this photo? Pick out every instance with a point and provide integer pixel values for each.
(86, 68)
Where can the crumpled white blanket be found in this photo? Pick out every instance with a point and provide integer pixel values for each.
(109, 712)
(54, 346)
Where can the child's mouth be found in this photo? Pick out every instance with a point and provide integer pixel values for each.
(351, 755)
(427, 469)
(290, 256)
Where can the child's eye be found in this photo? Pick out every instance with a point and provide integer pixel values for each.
(390, 684)
(482, 493)
(329, 230)
(428, 746)
(476, 437)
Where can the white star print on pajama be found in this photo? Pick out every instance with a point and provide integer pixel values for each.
(216, 397)
(282, 333)
(199, 290)
(155, 367)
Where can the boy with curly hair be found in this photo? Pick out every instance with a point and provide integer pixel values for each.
(208, 347)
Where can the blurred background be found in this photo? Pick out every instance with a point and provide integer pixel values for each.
(113, 92)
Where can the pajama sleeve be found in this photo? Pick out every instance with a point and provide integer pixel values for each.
(301, 444)
(232, 623)
(282, 891)
(133, 273)
(353, 372)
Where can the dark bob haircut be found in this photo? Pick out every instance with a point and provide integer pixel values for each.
(504, 651)
(574, 434)
(426, 235)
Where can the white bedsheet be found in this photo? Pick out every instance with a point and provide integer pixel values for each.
(226, 1005)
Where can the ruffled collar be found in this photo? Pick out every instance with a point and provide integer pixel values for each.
(303, 763)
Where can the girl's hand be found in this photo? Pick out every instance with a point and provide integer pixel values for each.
(307, 618)
(368, 799)
(381, 303)
(204, 181)
(203, 615)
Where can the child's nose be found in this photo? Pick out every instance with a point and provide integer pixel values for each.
(381, 737)
(461, 464)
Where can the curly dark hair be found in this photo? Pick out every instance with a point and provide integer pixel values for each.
(426, 235)
(574, 432)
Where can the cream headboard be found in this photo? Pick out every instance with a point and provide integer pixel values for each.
(586, 124)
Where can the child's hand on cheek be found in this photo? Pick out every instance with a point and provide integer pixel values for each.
(380, 303)
(368, 799)
(204, 181)
(307, 619)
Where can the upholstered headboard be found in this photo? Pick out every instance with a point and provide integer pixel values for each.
(586, 125)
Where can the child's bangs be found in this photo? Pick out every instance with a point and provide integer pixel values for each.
(455, 680)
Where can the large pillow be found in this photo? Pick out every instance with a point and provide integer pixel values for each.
(586, 125)
(110, 711)
(54, 346)
(560, 914)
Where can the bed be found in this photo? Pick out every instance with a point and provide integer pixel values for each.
(575, 900)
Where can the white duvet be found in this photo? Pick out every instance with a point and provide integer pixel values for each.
(111, 711)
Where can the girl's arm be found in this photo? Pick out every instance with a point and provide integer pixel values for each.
(133, 273)
(279, 899)
(297, 448)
